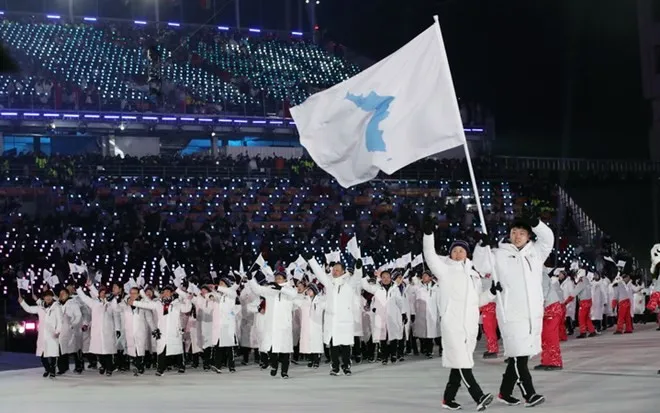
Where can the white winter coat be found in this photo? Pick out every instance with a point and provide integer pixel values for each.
(259, 321)
(137, 324)
(366, 313)
(70, 333)
(205, 309)
(520, 317)
(568, 289)
(339, 319)
(83, 338)
(105, 322)
(169, 324)
(311, 323)
(296, 321)
(426, 310)
(639, 295)
(249, 336)
(278, 326)
(50, 325)
(224, 316)
(389, 306)
(461, 295)
(598, 299)
(552, 292)
(192, 336)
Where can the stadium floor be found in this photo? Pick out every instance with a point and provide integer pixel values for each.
(602, 374)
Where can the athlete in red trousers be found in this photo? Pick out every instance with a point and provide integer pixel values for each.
(583, 293)
(622, 300)
(553, 319)
(489, 319)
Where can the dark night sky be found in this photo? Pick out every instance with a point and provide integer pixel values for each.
(539, 65)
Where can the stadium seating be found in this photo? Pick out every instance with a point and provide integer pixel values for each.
(112, 58)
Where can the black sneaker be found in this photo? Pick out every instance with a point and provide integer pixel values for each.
(618, 332)
(484, 401)
(347, 371)
(534, 400)
(160, 373)
(358, 360)
(273, 372)
(583, 335)
(216, 370)
(540, 367)
(244, 363)
(508, 400)
(450, 405)
(385, 362)
(489, 355)
(285, 375)
(334, 372)
(181, 370)
(46, 374)
(101, 371)
(51, 375)
(429, 356)
(315, 365)
(108, 373)
(310, 364)
(594, 334)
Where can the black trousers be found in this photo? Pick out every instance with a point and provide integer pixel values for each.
(207, 356)
(245, 352)
(456, 376)
(223, 356)
(411, 346)
(264, 359)
(517, 372)
(369, 349)
(296, 352)
(357, 347)
(388, 349)
(337, 352)
(280, 359)
(49, 364)
(597, 325)
(163, 361)
(426, 346)
(138, 362)
(569, 325)
(106, 362)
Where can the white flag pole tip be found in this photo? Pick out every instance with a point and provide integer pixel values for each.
(435, 18)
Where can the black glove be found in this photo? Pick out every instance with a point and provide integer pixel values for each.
(118, 333)
(412, 319)
(485, 240)
(156, 334)
(276, 286)
(428, 225)
(358, 263)
(373, 310)
(495, 287)
(533, 222)
(249, 275)
(307, 256)
(404, 317)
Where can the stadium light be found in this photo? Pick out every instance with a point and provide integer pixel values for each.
(297, 33)
(52, 16)
(255, 30)
(89, 19)
(140, 22)
(174, 24)
(225, 28)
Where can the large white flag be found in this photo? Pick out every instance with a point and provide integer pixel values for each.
(394, 113)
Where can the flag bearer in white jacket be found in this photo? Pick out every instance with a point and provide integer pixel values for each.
(104, 330)
(224, 324)
(169, 334)
(69, 333)
(460, 296)
(427, 315)
(50, 327)
(311, 307)
(519, 268)
(137, 323)
(389, 314)
(338, 322)
(278, 327)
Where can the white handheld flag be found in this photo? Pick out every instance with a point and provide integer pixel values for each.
(353, 248)
(392, 114)
(23, 284)
(418, 260)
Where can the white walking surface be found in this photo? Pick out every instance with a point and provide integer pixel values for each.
(601, 374)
